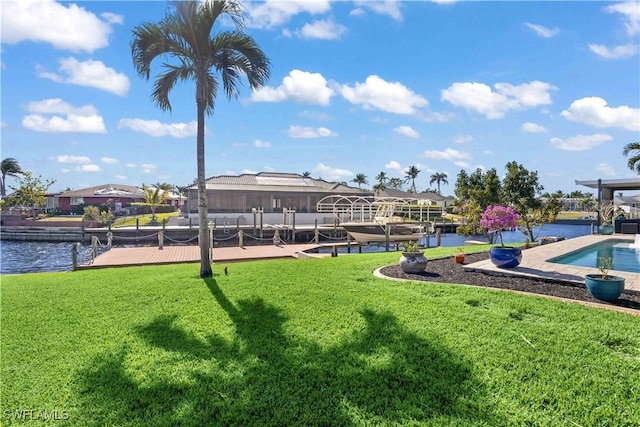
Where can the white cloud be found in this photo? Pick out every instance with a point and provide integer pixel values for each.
(261, 144)
(447, 154)
(300, 86)
(617, 52)
(392, 97)
(112, 18)
(329, 173)
(72, 123)
(545, 32)
(88, 168)
(534, 128)
(65, 158)
(393, 165)
(131, 165)
(460, 163)
(309, 133)
(390, 8)
(595, 112)
(323, 30)
(148, 167)
(274, 13)
(90, 73)
(631, 15)
(606, 169)
(249, 172)
(65, 27)
(108, 160)
(64, 170)
(462, 139)
(157, 129)
(58, 106)
(407, 131)
(481, 98)
(120, 177)
(580, 142)
(82, 119)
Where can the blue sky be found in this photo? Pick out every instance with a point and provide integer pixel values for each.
(356, 87)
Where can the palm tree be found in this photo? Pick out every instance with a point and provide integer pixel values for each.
(632, 150)
(438, 177)
(8, 167)
(153, 197)
(164, 186)
(360, 179)
(186, 34)
(382, 177)
(306, 174)
(410, 175)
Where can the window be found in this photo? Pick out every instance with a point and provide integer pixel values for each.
(77, 201)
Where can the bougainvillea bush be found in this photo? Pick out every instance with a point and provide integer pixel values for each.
(498, 218)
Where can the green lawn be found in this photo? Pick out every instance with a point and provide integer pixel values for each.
(143, 220)
(308, 342)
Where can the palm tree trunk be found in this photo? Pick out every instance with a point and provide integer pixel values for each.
(203, 229)
(3, 191)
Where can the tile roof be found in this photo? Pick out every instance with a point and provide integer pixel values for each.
(105, 190)
(275, 181)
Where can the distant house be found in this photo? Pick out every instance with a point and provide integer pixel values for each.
(269, 191)
(118, 195)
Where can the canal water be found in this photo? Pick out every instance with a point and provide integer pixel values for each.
(27, 257)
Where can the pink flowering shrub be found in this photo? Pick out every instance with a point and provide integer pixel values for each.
(499, 218)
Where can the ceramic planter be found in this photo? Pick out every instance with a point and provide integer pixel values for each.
(413, 262)
(606, 229)
(505, 256)
(459, 258)
(608, 289)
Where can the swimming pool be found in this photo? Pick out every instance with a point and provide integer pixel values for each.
(623, 256)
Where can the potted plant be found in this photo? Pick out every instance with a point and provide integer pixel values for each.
(458, 257)
(496, 219)
(606, 217)
(412, 259)
(604, 286)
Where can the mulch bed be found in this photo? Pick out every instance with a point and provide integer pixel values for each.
(445, 270)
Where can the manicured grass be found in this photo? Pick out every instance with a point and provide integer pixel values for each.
(143, 219)
(309, 342)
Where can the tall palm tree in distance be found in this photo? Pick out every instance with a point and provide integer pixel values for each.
(382, 177)
(410, 176)
(186, 35)
(8, 167)
(360, 179)
(439, 177)
(632, 150)
(306, 174)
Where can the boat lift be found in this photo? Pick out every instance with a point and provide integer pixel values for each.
(380, 209)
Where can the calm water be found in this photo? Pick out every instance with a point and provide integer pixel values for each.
(25, 257)
(623, 257)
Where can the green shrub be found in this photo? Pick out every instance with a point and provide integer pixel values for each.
(91, 212)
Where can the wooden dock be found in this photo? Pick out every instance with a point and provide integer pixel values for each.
(126, 257)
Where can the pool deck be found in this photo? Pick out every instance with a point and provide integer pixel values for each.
(535, 262)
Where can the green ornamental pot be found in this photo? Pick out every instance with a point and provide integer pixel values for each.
(606, 229)
(605, 288)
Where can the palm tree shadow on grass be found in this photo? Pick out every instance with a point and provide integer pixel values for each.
(265, 375)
